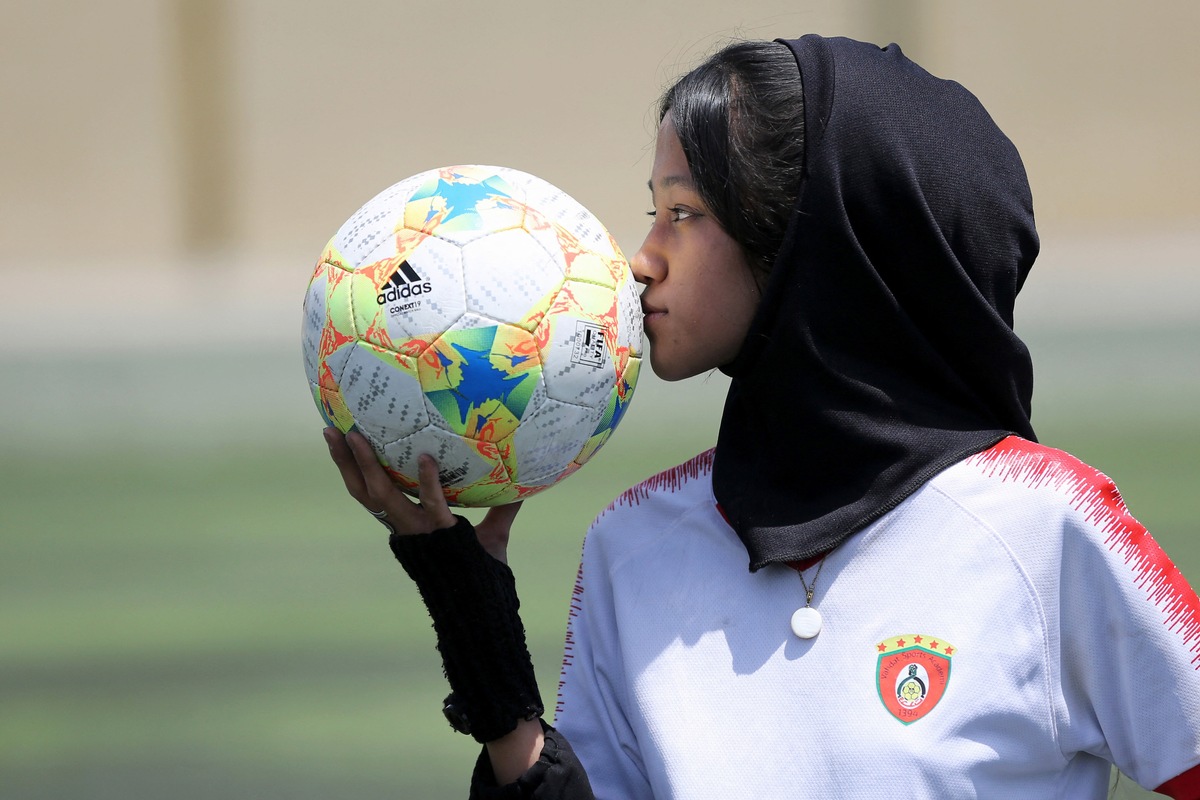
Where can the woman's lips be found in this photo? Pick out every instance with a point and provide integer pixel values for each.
(650, 313)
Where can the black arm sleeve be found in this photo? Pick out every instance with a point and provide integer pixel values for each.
(557, 775)
(472, 598)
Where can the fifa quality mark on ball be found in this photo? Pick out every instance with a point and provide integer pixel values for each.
(588, 345)
(481, 315)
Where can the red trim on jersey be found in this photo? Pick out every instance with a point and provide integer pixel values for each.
(1094, 494)
(805, 563)
(1183, 787)
(568, 659)
(670, 480)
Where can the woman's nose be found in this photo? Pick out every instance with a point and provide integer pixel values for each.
(647, 263)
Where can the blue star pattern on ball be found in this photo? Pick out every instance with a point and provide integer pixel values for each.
(456, 204)
(480, 390)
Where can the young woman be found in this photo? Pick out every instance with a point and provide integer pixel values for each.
(877, 581)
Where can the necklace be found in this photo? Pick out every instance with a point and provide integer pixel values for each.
(806, 622)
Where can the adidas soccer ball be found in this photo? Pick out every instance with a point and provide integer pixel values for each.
(482, 316)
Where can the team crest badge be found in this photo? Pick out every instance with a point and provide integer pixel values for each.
(912, 674)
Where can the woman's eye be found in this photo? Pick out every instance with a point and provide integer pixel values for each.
(678, 213)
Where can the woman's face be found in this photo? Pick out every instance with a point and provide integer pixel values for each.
(700, 294)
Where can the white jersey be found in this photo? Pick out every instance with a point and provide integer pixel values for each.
(1007, 631)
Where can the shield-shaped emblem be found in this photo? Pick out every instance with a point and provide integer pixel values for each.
(911, 674)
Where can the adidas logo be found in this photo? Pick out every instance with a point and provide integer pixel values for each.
(404, 283)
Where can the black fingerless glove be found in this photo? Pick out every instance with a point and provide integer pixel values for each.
(556, 774)
(472, 598)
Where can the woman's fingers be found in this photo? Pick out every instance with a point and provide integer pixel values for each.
(362, 472)
(346, 463)
(430, 493)
(378, 483)
(369, 483)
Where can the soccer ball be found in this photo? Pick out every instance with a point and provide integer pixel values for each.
(482, 316)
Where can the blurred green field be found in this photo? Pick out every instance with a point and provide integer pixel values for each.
(191, 607)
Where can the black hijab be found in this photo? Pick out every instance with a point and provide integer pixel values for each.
(883, 349)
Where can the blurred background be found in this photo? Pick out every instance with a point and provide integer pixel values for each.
(190, 605)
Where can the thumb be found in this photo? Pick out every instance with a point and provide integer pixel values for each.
(493, 531)
(502, 516)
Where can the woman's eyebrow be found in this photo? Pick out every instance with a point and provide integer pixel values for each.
(671, 180)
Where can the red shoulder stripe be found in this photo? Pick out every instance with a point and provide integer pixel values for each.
(1093, 493)
(1183, 787)
(669, 480)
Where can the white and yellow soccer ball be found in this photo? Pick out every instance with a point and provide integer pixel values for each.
(481, 315)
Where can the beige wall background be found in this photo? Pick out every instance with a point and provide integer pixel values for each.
(181, 147)
(150, 128)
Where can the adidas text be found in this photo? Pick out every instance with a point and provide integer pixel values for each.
(392, 293)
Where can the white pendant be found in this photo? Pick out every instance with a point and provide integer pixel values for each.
(806, 622)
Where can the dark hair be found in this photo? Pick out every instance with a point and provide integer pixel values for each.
(740, 119)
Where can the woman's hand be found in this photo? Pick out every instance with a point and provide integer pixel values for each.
(368, 482)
